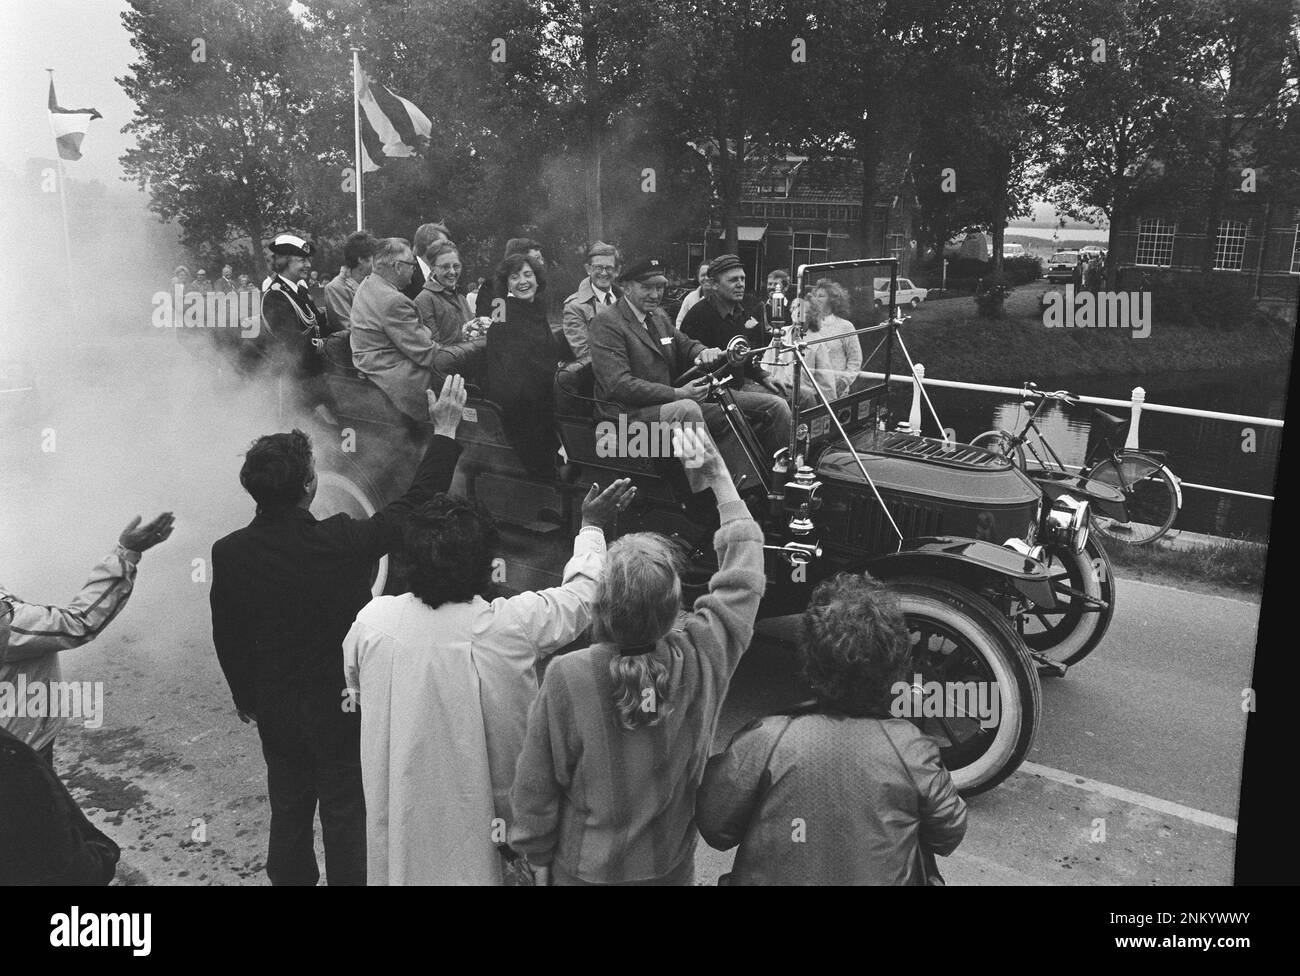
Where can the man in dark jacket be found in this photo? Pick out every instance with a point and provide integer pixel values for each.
(716, 319)
(285, 590)
(45, 839)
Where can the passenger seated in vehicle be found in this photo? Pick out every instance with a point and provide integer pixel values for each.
(835, 365)
(637, 352)
(521, 361)
(389, 344)
(443, 310)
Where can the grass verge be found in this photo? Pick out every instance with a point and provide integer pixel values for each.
(1232, 564)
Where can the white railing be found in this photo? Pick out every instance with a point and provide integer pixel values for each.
(1137, 404)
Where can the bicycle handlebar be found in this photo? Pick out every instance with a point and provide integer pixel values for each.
(1065, 396)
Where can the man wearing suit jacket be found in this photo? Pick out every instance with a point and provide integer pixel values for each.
(595, 293)
(389, 344)
(636, 353)
(286, 589)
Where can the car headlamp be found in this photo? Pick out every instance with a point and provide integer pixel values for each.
(1066, 523)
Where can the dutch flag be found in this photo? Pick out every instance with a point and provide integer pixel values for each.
(69, 125)
(391, 126)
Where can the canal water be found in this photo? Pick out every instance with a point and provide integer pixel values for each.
(1224, 454)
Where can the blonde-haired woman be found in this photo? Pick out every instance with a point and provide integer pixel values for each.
(834, 364)
(619, 735)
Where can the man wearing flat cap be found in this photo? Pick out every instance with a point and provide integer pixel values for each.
(637, 352)
(721, 315)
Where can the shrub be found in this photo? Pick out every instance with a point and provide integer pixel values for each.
(1023, 270)
(993, 292)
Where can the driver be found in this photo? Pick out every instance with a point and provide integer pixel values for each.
(637, 352)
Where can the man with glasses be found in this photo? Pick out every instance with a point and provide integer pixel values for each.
(594, 294)
(389, 344)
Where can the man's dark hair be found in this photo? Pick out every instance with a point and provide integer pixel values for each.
(855, 645)
(512, 264)
(448, 545)
(276, 470)
(521, 245)
(358, 247)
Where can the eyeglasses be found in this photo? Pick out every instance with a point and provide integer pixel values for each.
(399, 261)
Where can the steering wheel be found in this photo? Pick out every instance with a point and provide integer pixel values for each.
(736, 353)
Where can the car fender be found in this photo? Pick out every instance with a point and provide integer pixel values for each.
(970, 562)
(1106, 499)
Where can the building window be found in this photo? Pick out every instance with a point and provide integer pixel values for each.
(807, 249)
(1155, 244)
(896, 242)
(1295, 252)
(1230, 245)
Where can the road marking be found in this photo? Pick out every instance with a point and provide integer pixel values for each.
(1131, 796)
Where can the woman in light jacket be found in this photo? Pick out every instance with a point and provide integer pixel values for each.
(443, 310)
(834, 364)
(841, 793)
(618, 737)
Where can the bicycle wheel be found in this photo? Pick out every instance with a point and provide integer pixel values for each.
(1150, 496)
(1001, 443)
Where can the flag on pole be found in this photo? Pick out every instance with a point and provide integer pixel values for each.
(69, 125)
(391, 126)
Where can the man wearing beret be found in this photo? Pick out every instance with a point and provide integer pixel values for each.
(637, 352)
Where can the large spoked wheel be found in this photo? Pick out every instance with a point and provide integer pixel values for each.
(1001, 443)
(352, 494)
(1084, 586)
(983, 679)
(1150, 496)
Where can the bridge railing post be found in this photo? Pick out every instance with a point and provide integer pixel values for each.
(1139, 398)
(918, 377)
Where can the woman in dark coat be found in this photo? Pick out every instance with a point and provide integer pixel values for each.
(521, 361)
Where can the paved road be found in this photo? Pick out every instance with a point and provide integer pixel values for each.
(175, 777)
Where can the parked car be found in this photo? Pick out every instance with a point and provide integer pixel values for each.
(908, 293)
(1013, 251)
(1062, 266)
(1093, 251)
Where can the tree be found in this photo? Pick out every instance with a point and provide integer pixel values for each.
(1119, 99)
(1005, 53)
(858, 94)
(716, 67)
(219, 122)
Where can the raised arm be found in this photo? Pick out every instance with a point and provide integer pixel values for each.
(724, 617)
(380, 533)
(37, 629)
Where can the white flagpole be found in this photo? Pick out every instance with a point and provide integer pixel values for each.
(63, 193)
(356, 127)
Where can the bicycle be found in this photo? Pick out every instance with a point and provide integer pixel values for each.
(1152, 493)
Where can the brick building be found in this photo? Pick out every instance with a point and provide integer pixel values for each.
(795, 210)
(1257, 242)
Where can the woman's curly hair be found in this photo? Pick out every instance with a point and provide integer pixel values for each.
(855, 646)
(837, 300)
(448, 545)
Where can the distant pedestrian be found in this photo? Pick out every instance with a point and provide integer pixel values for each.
(868, 793)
